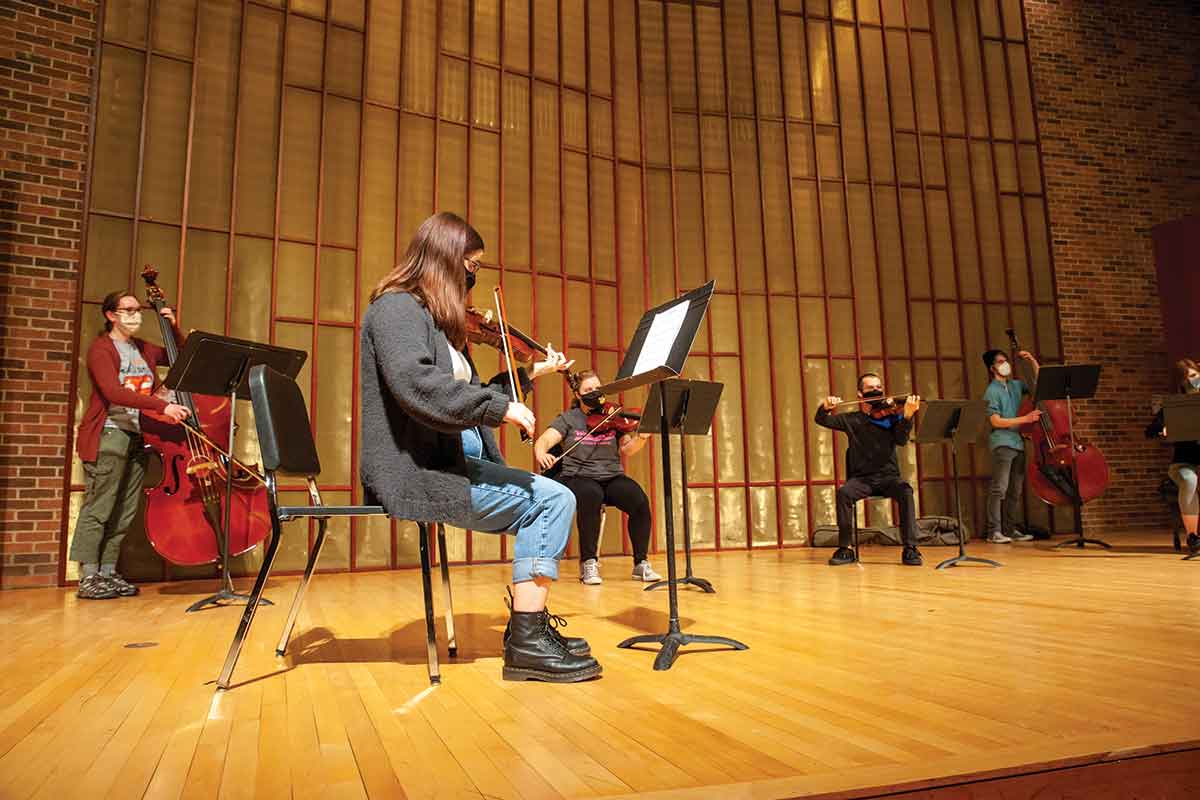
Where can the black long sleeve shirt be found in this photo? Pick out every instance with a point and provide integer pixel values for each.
(872, 450)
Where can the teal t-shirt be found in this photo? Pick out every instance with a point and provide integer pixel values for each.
(1004, 398)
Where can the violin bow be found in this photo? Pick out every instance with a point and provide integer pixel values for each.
(579, 441)
(514, 383)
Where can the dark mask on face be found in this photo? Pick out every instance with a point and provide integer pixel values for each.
(470, 280)
(874, 398)
(592, 400)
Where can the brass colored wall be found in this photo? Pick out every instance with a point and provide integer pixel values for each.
(861, 178)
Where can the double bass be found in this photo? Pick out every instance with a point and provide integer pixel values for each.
(185, 512)
(1053, 473)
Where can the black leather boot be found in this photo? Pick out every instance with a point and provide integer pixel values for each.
(576, 645)
(533, 652)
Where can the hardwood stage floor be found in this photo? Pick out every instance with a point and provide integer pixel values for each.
(854, 678)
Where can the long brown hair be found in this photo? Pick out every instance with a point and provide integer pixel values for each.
(432, 270)
(1182, 366)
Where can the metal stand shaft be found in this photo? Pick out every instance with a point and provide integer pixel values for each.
(674, 638)
(688, 578)
(962, 557)
(1080, 540)
(227, 593)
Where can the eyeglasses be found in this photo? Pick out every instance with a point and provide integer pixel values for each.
(128, 312)
(472, 265)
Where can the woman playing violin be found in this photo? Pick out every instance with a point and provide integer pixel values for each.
(591, 468)
(428, 451)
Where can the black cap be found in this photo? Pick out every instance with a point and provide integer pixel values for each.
(989, 357)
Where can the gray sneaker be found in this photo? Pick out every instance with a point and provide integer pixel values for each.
(95, 587)
(589, 572)
(120, 585)
(642, 571)
(996, 537)
(1019, 535)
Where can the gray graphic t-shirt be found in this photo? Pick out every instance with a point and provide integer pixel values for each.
(598, 456)
(136, 376)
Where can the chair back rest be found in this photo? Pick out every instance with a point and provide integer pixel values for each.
(284, 435)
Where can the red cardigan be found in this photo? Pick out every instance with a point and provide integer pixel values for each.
(104, 368)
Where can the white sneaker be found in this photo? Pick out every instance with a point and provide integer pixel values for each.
(642, 571)
(999, 538)
(589, 572)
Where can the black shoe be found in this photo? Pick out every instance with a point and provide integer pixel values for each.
(576, 645)
(1193, 543)
(120, 585)
(95, 587)
(912, 556)
(533, 652)
(844, 555)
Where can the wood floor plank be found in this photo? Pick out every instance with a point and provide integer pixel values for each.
(883, 674)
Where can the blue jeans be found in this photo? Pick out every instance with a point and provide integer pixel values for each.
(539, 509)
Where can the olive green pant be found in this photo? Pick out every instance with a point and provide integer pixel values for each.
(114, 490)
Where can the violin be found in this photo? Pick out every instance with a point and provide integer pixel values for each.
(879, 407)
(483, 328)
(612, 418)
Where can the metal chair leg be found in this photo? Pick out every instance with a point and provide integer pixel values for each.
(281, 648)
(427, 589)
(260, 583)
(452, 644)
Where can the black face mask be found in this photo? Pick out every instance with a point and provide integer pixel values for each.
(874, 398)
(592, 400)
(470, 280)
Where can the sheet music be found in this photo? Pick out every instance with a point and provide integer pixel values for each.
(661, 336)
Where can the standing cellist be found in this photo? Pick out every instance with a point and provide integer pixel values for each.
(109, 442)
(1004, 395)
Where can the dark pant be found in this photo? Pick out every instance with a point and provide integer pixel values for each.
(1004, 492)
(114, 491)
(889, 486)
(592, 495)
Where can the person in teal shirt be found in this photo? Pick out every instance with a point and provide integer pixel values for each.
(1003, 396)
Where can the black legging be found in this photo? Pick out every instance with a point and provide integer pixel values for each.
(592, 495)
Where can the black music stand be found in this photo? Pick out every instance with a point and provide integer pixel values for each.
(660, 345)
(958, 423)
(219, 365)
(1181, 417)
(690, 407)
(1070, 382)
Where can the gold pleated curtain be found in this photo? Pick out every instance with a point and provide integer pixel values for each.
(862, 179)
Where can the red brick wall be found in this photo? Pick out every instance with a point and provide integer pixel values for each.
(1118, 99)
(46, 56)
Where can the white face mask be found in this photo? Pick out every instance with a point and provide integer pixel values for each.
(1004, 370)
(1195, 382)
(129, 324)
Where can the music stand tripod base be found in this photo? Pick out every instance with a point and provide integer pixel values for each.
(225, 596)
(672, 640)
(1080, 541)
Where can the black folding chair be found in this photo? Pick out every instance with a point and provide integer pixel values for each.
(287, 445)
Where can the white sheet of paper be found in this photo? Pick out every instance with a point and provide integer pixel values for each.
(663, 330)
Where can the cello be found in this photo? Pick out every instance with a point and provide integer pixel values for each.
(1054, 473)
(185, 512)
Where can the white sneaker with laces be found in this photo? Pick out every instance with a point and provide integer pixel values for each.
(642, 571)
(589, 572)
(998, 538)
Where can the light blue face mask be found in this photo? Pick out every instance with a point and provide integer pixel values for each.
(1195, 382)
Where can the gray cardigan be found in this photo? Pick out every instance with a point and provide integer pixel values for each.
(413, 412)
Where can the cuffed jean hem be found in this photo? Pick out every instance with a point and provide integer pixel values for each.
(526, 569)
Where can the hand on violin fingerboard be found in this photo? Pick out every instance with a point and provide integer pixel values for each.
(554, 362)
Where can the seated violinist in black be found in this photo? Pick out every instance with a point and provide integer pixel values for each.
(874, 430)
